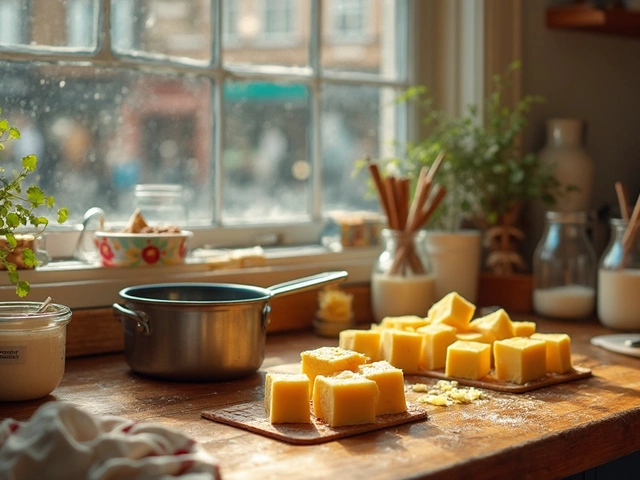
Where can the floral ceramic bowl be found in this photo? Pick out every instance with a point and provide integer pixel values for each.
(118, 249)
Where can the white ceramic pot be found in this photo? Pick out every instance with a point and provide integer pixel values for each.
(455, 260)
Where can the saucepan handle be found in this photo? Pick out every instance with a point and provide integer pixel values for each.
(141, 319)
(308, 283)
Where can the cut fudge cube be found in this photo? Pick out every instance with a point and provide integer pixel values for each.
(523, 329)
(558, 351)
(435, 340)
(286, 398)
(404, 322)
(470, 360)
(390, 381)
(345, 398)
(328, 360)
(475, 337)
(496, 325)
(401, 349)
(366, 342)
(520, 360)
(453, 310)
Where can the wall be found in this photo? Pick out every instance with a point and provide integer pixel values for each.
(593, 77)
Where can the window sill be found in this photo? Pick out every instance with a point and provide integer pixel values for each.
(79, 285)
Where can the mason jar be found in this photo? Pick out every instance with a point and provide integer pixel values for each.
(161, 204)
(32, 349)
(619, 280)
(564, 268)
(402, 281)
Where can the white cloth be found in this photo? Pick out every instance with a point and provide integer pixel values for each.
(61, 441)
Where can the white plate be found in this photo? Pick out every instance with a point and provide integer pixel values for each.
(616, 343)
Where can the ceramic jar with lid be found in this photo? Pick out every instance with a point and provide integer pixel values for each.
(619, 280)
(564, 268)
(32, 349)
(402, 281)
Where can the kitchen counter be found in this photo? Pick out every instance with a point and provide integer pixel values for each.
(552, 432)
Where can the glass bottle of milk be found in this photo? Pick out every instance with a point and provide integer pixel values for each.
(619, 280)
(402, 281)
(564, 268)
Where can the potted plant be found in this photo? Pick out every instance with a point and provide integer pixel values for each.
(18, 210)
(487, 176)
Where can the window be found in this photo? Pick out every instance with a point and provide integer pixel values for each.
(157, 91)
(12, 23)
(229, 21)
(278, 19)
(348, 20)
(255, 136)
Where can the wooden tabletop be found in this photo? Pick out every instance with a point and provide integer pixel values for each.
(551, 432)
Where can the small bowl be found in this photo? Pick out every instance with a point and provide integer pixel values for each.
(118, 249)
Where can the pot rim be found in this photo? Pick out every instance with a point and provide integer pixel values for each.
(260, 294)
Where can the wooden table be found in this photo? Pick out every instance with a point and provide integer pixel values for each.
(552, 432)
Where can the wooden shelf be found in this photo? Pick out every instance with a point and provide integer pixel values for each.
(614, 21)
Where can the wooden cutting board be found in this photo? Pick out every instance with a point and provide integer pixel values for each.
(490, 382)
(252, 416)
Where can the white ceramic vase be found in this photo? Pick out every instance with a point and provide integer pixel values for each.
(570, 162)
(455, 260)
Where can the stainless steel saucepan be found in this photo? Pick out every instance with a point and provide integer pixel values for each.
(202, 331)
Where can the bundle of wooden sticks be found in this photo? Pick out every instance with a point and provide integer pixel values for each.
(632, 219)
(406, 217)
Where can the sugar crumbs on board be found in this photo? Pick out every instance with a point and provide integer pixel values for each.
(446, 393)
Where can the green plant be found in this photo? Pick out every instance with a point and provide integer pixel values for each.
(18, 209)
(486, 174)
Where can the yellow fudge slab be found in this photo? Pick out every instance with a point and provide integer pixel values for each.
(435, 340)
(497, 325)
(345, 398)
(401, 349)
(520, 360)
(523, 329)
(468, 360)
(328, 360)
(390, 381)
(404, 322)
(366, 342)
(558, 351)
(286, 398)
(453, 310)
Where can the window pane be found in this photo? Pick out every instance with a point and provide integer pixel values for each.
(49, 23)
(173, 28)
(362, 36)
(357, 122)
(266, 143)
(274, 32)
(98, 132)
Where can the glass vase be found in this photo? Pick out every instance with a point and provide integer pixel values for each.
(619, 280)
(402, 281)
